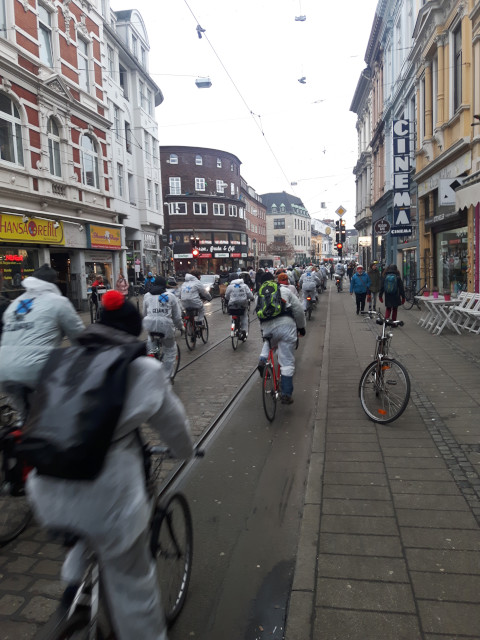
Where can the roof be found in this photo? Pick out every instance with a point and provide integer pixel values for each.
(285, 198)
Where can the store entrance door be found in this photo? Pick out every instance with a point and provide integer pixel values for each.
(61, 263)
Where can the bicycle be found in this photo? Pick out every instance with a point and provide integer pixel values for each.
(411, 292)
(171, 544)
(15, 512)
(384, 387)
(339, 282)
(159, 353)
(271, 385)
(309, 309)
(236, 333)
(194, 330)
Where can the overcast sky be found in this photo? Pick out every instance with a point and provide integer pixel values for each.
(254, 52)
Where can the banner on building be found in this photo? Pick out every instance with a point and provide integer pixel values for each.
(401, 173)
(34, 230)
(104, 237)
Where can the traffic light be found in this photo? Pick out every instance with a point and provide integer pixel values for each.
(195, 244)
(339, 247)
(195, 252)
(337, 232)
(343, 233)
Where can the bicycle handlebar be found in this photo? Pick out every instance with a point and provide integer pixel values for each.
(382, 320)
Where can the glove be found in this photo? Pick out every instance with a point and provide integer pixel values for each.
(380, 298)
(301, 332)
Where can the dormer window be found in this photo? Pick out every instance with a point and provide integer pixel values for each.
(173, 158)
(198, 160)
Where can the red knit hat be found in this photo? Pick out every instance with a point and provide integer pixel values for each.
(116, 312)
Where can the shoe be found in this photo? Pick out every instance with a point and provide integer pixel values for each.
(284, 399)
(244, 335)
(358, 312)
(261, 367)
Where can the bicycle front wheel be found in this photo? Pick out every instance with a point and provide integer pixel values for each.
(409, 298)
(269, 394)
(204, 331)
(190, 335)
(384, 390)
(172, 548)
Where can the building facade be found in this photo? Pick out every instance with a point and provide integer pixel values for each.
(203, 200)
(256, 224)
(288, 224)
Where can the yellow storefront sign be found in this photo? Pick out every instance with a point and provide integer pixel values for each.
(35, 230)
(105, 238)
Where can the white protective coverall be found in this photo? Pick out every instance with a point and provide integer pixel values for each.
(192, 295)
(237, 296)
(162, 313)
(112, 511)
(308, 284)
(33, 325)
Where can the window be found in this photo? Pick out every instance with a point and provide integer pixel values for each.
(219, 163)
(128, 137)
(231, 166)
(110, 61)
(173, 158)
(279, 223)
(157, 197)
(149, 102)
(143, 56)
(155, 151)
(131, 189)
(54, 148)
(123, 75)
(3, 19)
(11, 149)
(220, 186)
(218, 209)
(148, 151)
(232, 188)
(120, 186)
(175, 186)
(457, 67)
(45, 36)
(200, 184)
(279, 239)
(282, 208)
(198, 160)
(82, 58)
(232, 210)
(177, 208)
(135, 46)
(143, 95)
(116, 121)
(89, 162)
(149, 193)
(200, 208)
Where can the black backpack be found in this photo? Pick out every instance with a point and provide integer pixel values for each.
(76, 407)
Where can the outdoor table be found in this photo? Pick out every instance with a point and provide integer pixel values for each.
(439, 314)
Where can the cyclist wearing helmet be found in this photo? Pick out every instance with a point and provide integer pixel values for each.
(237, 295)
(193, 293)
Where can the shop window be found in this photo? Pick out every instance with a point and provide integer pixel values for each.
(11, 149)
(53, 135)
(15, 265)
(89, 161)
(451, 260)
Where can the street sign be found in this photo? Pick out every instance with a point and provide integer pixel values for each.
(340, 211)
(404, 230)
(328, 231)
(381, 227)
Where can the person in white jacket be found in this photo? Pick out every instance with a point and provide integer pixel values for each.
(193, 293)
(237, 296)
(162, 313)
(112, 511)
(33, 325)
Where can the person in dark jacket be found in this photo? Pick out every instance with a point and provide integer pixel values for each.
(393, 298)
(375, 284)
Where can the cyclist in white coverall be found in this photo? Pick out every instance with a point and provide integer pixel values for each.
(308, 284)
(237, 296)
(193, 293)
(162, 313)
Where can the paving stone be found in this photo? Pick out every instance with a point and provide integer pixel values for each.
(47, 568)
(335, 624)
(363, 594)
(354, 456)
(39, 609)
(9, 604)
(440, 503)
(14, 630)
(449, 617)
(424, 487)
(409, 452)
(443, 561)
(362, 568)
(357, 507)
(355, 492)
(354, 467)
(427, 538)
(446, 586)
(356, 479)
(435, 519)
(341, 543)
(358, 524)
(353, 446)
(432, 475)
(14, 582)
(415, 463)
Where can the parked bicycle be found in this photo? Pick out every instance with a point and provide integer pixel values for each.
(384, 387)
(236, 333)
(159, 353)
(15, 512)
(410, 292)
(171, 544)
(194, 330)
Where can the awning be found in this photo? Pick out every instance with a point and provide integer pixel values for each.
(468, 196)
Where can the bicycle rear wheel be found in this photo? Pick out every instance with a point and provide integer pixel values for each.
(269, 394)
(234, 334)
(409, 298)
(384, 390)
(190, 334)
(172, 548)
(204, 331)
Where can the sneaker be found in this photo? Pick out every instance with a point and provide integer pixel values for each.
(284, 399)
(261, 366)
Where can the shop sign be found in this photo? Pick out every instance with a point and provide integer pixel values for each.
(381, 227)
(236, 255)
(401, 173)
(204, 255)
(405, 230)
(222, 255)
(150, 240)
(91, 256)
(37, 230)
(104, 237)
(182, 255)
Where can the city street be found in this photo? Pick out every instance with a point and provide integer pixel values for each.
(320, 525)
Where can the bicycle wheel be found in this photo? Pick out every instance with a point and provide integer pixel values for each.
(177, 361)
(309, 312)
(409, 298)
(204, 331)
(190, 334)
(234, 335)
(269, 394)
(172, 548)
(224, 305)
(384, 390)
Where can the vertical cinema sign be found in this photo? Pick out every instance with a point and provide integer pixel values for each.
(401, 172)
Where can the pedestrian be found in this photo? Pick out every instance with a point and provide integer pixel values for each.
(33, 325)
(350, 270)
(393, 290)
(122, 285)
(332, 270)
(375, 285)
(359, 285)
(258, 278)
(149, 281)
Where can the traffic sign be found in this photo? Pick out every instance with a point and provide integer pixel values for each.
(381, 227)
(340, 211)
(404, 230)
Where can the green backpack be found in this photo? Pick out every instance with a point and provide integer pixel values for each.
(269, 301)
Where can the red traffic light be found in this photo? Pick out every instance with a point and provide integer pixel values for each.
(339, 245)
(195, 252)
